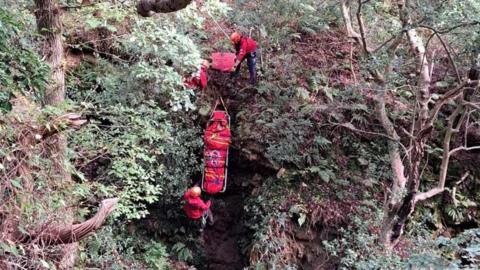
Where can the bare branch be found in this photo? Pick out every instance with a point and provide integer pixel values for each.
(472, 105)
(445, 31)
(362, 27)
(450, 95)
(387, 41)
(463, 148)
(454, 189)
(427, 195)
(445, 157)
(454, 65)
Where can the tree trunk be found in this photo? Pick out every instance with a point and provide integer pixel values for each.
(347, 18)
(418, 49)
(401, 203)
(395, 220)
(395, 208)
(49, 26)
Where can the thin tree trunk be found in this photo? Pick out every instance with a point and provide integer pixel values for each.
(402, 202)
(347, 18)
(418, 49)
(390, 228)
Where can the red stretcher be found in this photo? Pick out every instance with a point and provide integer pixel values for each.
(217, 139)
(223, 61)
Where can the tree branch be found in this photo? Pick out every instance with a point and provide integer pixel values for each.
(73, 233)
(362, 27)
(348, 20)
(450, 95)
(454, 189)
(454, 65)
(463, 148)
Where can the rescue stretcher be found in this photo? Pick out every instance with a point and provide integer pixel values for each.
(217, 139)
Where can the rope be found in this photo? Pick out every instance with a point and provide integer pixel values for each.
(216, 104)
(223, 103)
(219, 26)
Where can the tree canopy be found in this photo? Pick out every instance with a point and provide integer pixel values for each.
(357, 147)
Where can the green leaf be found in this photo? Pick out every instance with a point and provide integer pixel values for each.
(325, 176)
(16, 183)
(301, 220)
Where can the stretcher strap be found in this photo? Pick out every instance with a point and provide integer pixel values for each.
(216, 105)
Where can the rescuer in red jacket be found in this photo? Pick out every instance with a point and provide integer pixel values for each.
(200, 79)
(245, 47)
(195, 207)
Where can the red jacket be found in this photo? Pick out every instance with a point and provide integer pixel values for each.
(200, 80)
(246, 45)
(195, 206)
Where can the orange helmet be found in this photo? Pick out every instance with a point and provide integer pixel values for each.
(195, 191)
(235, 37)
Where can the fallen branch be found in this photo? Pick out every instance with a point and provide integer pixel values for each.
(73, 233)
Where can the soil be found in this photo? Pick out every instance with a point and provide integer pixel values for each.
(221, 241)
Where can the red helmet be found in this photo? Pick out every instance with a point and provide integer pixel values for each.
(235, 37)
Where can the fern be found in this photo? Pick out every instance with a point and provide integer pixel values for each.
(322, 142)
(359, 119)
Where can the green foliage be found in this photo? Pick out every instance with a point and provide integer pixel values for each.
(194, 17)
(448, 15)
(137, 149)
(113, 248)
(271, 246)
(285, 128)
(107, 15)
(156, 256)
(157, 43)
(281, 21)
(182, 252)
(357, 246)
(465, 248)
(32, 196)
(143, 140)
(22, 72)
(103, 15)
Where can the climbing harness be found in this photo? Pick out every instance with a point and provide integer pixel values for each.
(217, 139)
